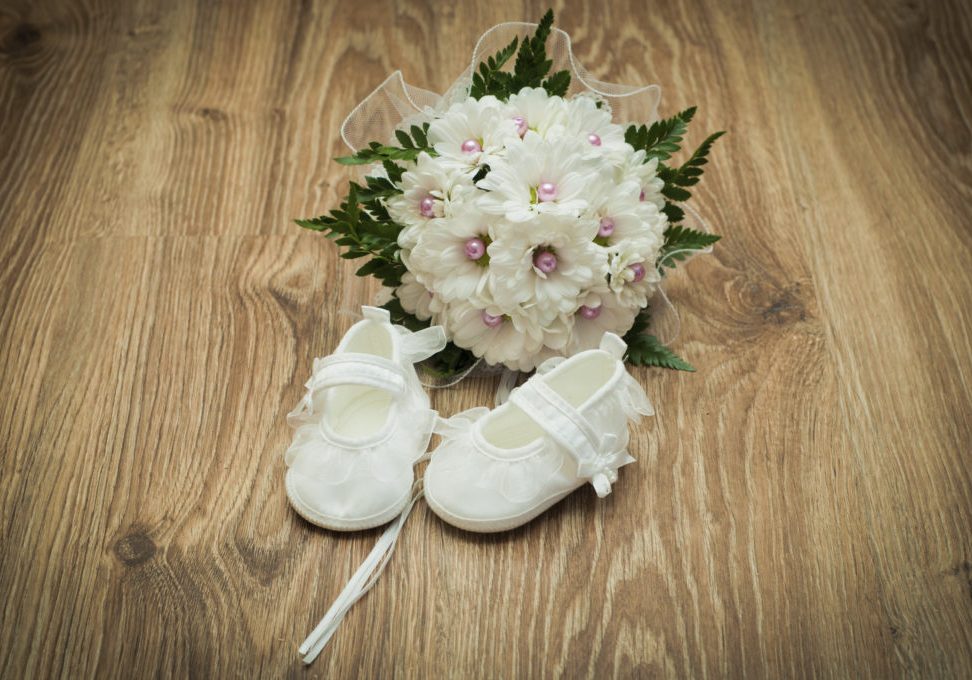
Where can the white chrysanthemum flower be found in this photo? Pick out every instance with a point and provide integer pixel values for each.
(473, 132)
(510, 338)
(631, 272)
(600, 311)
(645, 174)
(622, 217)
(592, 125)
(416, 299)
(429, 190)
(535, 110)
(451, 255)
(556, 335)
(543, 265)
(537, 178)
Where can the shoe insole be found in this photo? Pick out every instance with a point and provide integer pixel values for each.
(356, 411)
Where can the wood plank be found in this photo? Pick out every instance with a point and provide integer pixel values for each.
(801, 506)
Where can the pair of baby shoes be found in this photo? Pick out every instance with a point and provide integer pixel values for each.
(365, 422)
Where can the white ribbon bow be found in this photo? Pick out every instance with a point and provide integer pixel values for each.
(602, 471)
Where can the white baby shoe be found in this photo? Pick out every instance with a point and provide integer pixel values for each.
(362, 425)
(567, 425)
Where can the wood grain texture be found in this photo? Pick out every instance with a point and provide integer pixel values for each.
(801, 507)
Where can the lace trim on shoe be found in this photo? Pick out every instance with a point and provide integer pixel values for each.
(517, 480)
(331, 463)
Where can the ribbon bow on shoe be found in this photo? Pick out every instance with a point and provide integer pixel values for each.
(602, 470)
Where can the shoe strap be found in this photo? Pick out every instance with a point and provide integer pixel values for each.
(359, 584)
(379, 314)
(558, 418)
(351, 368)
(598, 456)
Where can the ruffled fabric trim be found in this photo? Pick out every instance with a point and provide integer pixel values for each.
(331, 463)
(416, 346)
(395, 103)
(633, 400)
(516, 480)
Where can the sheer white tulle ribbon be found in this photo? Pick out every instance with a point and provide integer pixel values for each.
(420, 345)
(634, 401)
(395, 102)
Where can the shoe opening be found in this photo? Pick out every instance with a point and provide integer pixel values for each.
(576, 380)
(359, 411)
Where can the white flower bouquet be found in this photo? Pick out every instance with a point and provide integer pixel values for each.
(516, 211)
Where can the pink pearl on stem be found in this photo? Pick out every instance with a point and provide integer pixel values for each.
(590, 312)
(427, 207)
(545, 261)
(475, 248)
(490, 320)
(547, 191)
(471, 146)
(594, 139)
(606, 228)
(639, 272)
(521, 125)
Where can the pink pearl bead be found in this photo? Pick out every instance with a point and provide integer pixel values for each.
(427, 207)
(606, 228)
(594, 139)
(639, 272)
(490, 320)
(590, 312)
(547, 191)
(545, 261)
(521, 125)
(475, 248)
(471, 146)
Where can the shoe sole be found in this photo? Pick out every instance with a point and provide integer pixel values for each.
(494, 526)
(335, 524)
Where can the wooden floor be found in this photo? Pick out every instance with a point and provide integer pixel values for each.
(801, 506)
